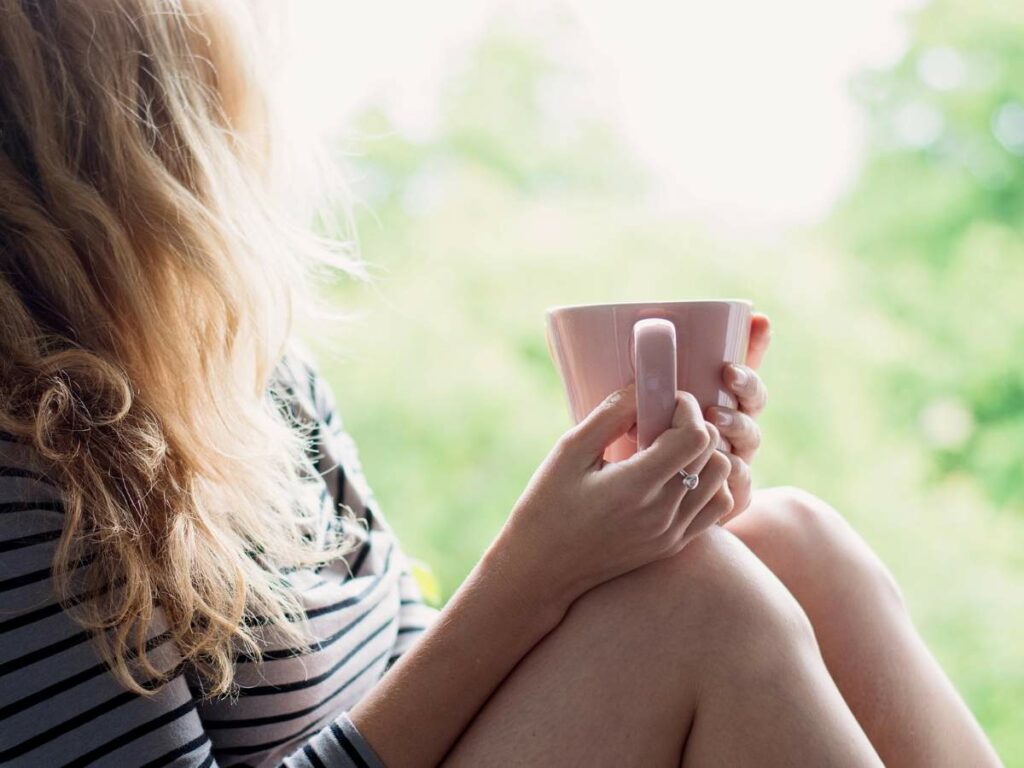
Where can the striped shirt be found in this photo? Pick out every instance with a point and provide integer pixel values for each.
(59, 704)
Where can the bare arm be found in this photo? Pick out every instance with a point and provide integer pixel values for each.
(421, 707)
(579, 523)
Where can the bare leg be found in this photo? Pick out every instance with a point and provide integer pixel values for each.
(703, 659)
(896, 689)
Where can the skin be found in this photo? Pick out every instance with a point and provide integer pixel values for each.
(629, 629)
(896, 689)
(699, 659)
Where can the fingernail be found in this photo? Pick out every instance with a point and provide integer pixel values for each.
(739, 375)
(723, 418)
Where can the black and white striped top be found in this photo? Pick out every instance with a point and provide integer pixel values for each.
(59, 705)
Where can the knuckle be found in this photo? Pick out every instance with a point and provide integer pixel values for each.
(741, 481)
(719, 466)
(713, 434)
(726, 499)
(733, 422)
(688, 400)
(683, 444)
(750, 381)
(743, 504)
(567, 441)
(602, 411)
(687, 410)
(739, 470)
(721, 504)
(696, 440)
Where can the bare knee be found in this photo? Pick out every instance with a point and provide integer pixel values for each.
(635, 659)
(809, 545)
(711, 602)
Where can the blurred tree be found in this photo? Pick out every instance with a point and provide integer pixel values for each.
(937, 221)
(511, 113)
(459, 221)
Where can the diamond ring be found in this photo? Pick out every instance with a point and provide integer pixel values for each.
(690, 481)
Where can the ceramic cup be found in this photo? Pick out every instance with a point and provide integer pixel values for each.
(663, 346)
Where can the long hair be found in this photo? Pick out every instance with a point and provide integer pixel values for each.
(147, 286)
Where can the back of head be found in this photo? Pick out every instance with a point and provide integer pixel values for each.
(146, 286)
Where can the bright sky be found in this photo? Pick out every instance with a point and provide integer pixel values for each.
(741, 107)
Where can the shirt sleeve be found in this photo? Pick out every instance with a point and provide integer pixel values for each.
(338, 462)
(59, 702)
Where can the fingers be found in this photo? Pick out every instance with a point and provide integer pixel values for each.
(741, 486)
(608, 421)
(716, 510)
(742, 432)
(672, 492)
(712, 483)
(698, 464)
(679, 445)
(760, 338)
(743, 382)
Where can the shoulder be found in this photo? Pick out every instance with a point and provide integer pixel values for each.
(299, 381)
(308, 396)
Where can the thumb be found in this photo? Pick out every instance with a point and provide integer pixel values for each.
(611, 419)
(760, 337)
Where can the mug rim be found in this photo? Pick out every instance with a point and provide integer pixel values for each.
(609, 305)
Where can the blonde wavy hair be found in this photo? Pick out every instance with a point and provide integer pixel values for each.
(147, 283)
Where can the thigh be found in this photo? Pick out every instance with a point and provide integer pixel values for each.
(892, 683)
(588, 694)
(703, 657)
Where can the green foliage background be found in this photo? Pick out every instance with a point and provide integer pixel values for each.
(896, 379)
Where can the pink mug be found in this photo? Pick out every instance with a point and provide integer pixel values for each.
(663, 346)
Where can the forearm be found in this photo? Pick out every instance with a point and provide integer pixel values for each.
(422, 706)
(580, 522)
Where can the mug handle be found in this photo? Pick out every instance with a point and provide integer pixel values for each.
(654, 360)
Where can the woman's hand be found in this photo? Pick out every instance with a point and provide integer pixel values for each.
(582, 521)
(739, 426)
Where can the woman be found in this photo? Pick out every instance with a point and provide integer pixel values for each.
(183, 516)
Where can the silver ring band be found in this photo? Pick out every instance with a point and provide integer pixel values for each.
(690, 481)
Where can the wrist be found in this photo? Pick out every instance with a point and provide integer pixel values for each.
(518, 569)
